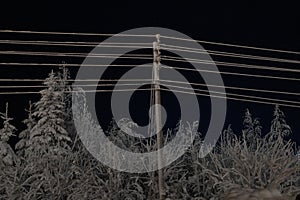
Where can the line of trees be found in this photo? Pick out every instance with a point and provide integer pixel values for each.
(50, 162)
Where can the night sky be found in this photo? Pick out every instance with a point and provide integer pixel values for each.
(250, 23)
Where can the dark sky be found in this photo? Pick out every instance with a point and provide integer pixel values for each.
(270, 25)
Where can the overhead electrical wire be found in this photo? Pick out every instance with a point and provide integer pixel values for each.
(149, 35)
(231, 98)
(164, 84)
(115, 90)
(226, 54)
(230, 45)
(78, 34)
(239, 95)
(233, 88)
(172, 90)
(162, 81)
(234, 73)
(228, 64)
(77, 85)
(68, 43)
(72, 65)
(76, 80)
(134, 45)
(61, 54)
(217, 94)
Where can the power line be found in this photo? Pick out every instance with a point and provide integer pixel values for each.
(232, 45)
(80, 55)
(233, 73)
(167, 67)
(239, 95)
(180, 91)
(165, 46)
(137, 56)
(82, 85)
(76, 80)
(71, 65)
(116, 90)
(67, 43)
(162, 80)
(228, 64)
(78, 34)
(164, 84)
(169, 58)
(145, 35)
(231, 98)
(234, 88)
(236, 55)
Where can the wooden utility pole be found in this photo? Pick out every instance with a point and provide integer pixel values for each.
(158, 131)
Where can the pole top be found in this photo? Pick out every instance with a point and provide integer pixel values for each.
(157, 37)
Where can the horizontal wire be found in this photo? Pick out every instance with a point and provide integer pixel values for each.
(169, 58)
(69, 44)
(79, 34)
(231, 87)
(72, 65)
(231, 45)
(239, 95)
(144, 56)
(60, 54)
(143, 35)
(174, 86)
(162, 89)
(163, 80)
(82, 85)
(230, 98)
(234, 73)
(228, 64)
(116, 90)
(173, 47)
(76, 80)
(235, 55)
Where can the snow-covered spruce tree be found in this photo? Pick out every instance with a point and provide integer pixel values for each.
(7, 155)
(251, 126)
(111, 183)
(279, 127)
(88, 127)
(50, 130)
(64, 75)
(251, 130)
(24, 136)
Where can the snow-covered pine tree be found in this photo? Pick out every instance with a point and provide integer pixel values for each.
(49, 111)
(64, 75)
(251, 126)
(7, 155)
(88, 127)
(30, 122)
(251, 130)
(279, 127)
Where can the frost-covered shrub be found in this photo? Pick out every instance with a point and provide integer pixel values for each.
(263, 162)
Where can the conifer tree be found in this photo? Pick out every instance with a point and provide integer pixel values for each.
(30, 122)
(88, 127)
(49, 111)
(279, 127)
(251, 128)
(250, 124)
(7, 155)
(64, 75)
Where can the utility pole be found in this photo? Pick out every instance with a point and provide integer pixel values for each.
(158, 131)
